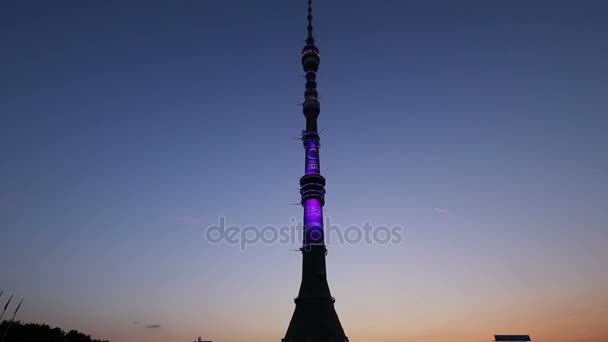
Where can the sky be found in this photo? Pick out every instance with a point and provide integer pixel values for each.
(129, 127)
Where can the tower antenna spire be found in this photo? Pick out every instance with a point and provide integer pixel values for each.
(310, 40)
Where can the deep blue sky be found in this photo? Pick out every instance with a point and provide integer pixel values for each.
(127, 127)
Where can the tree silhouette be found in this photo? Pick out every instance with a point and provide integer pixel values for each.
(32, 332)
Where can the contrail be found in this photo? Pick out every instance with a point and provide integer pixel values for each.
(442, 210)
(12, 320)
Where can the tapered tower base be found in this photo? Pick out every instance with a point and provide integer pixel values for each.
(315, 320)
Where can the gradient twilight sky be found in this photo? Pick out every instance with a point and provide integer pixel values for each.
(128, 127)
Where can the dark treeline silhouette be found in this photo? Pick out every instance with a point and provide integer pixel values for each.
(31, 332)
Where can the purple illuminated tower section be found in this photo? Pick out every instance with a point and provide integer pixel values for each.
(314, 318)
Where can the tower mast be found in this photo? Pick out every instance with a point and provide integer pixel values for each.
(315, 318)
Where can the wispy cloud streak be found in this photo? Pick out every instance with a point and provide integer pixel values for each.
(441, 210)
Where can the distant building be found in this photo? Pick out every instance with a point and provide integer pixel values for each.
(199, 340)
(512, 338)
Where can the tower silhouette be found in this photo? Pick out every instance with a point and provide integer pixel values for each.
(315, 318)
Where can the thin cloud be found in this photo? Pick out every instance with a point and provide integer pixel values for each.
(153, 326)
(441, 210)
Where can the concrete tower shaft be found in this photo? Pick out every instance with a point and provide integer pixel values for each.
(315, 318)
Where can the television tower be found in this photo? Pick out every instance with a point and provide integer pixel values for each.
(314, 318)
